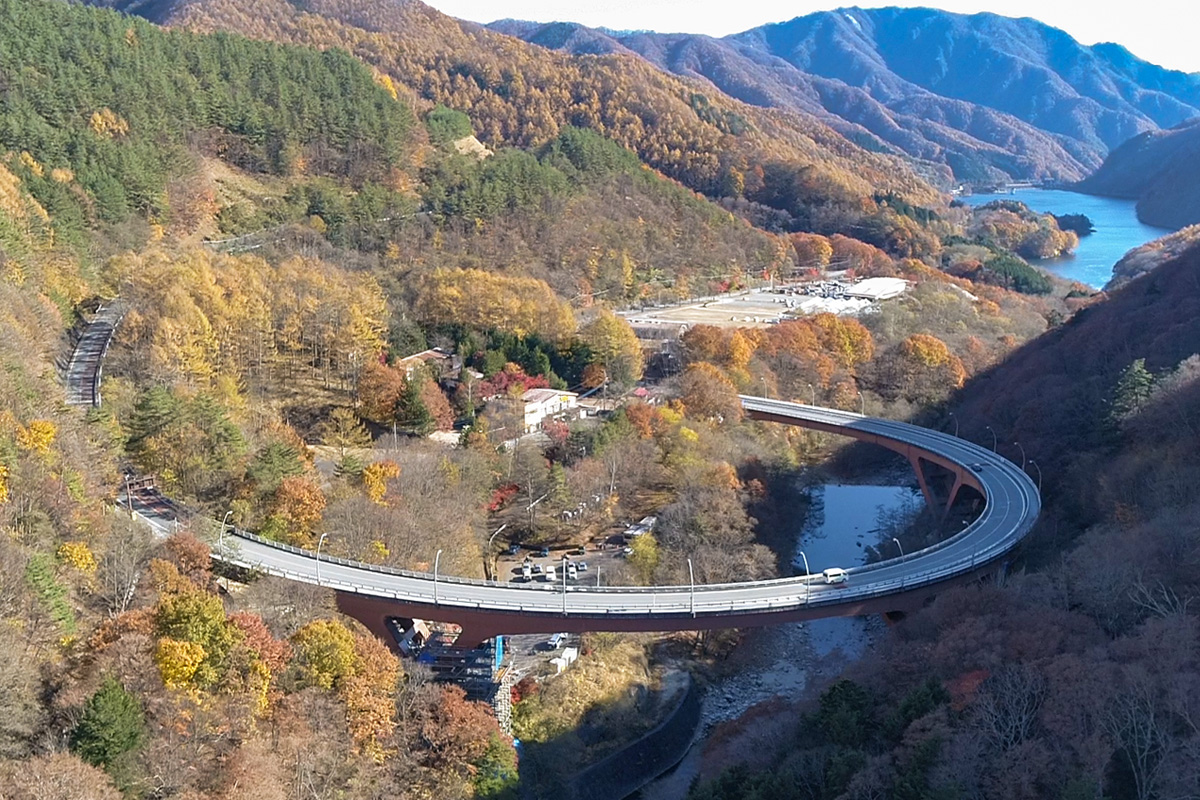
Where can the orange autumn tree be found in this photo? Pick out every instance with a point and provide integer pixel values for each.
(360, 669)
(921, 369)
(296, 509)
(708, 394)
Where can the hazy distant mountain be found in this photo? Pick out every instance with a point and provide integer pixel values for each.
(984, 94)
(1161, 170)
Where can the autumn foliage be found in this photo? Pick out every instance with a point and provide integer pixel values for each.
(489, 300)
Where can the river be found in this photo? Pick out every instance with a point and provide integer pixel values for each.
(779, 661)
(1117, 230)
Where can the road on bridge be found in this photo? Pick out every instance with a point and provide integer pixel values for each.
(1011, 508)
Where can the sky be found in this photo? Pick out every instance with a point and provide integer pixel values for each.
(1159, 31)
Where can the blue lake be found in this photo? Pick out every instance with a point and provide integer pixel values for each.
(1117, 230)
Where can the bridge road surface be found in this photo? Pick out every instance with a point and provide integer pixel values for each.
(1011, 508)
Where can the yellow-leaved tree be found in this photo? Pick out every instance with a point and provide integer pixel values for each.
(37, 437)
(614, 346)
(375, 479)
(485, 300)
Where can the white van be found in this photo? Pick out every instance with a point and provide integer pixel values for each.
(526, 570)
(836, 575)
(550, 572)
(572, 572)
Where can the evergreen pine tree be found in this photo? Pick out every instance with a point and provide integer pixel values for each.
(411, 411)
(112, 724)
(1134, 388)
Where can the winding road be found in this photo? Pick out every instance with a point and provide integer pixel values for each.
(487, 608)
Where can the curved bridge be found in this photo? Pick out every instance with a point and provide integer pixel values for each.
(484, 609)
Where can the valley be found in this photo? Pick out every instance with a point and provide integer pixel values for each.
(317, 318)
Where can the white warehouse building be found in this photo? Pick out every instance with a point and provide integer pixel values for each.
(543, 404)
(875, 289)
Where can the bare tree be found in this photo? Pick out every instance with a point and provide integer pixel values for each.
(1009, 703)
(1161, 601)
(12, 578)
(1141, 730)
(123, 562)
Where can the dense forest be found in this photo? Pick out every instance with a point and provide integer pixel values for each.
(102, 109)
(285, 225)
(519, 94)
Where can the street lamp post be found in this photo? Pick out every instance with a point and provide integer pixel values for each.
(320, 542)
(692, 578)
(530, 508)
(862, 404)
(807, 585)
(597, 575)
(488, 557)
(1039, 469)
(221, 534)
(1018, 444)
(989, 427)
(564, 572)
(955, 423)
(899, 546)
(814, 394)
(437, 557)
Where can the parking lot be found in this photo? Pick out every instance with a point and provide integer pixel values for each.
(594, 565)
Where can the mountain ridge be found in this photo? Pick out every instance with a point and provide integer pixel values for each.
(522, 95)
(1060, 104)
(1158, 169)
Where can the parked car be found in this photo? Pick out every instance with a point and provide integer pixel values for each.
(526, 570)
(537, 569)
(513, 549)
(581, 566)
(572, 571)
(544, 552)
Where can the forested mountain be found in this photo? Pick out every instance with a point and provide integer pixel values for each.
(519, 94)
(284, 224)
(1159, 169)
(989, 96)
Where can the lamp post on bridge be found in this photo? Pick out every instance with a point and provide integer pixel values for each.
(862, 404)
(807, 585)
(692, 577)
(989, 427)
(221, 534)
(814, 394)
(320, 542)
(899, 546)
(437, 557)
(1018, 444)
(1039, 469)
(564, 572)
(955, 423)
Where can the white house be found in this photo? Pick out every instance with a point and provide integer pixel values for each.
(543, 404)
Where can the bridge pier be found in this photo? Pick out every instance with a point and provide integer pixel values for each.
(932, 501)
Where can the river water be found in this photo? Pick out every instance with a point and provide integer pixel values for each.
(1117, 230)
(780, 660)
